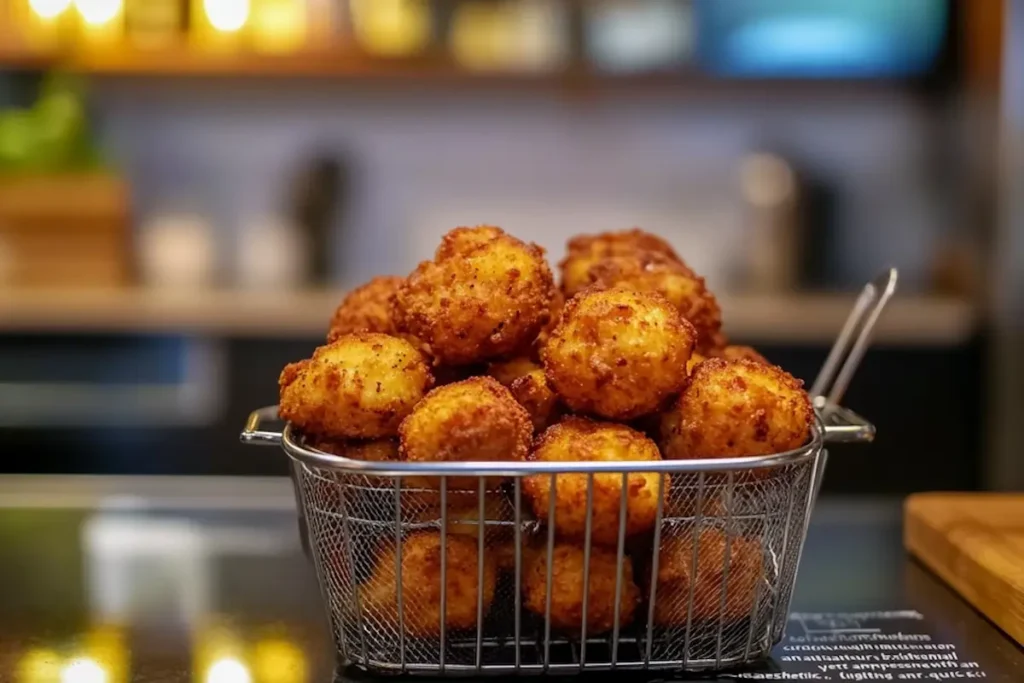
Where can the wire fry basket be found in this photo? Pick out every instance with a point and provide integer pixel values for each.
(418, 576)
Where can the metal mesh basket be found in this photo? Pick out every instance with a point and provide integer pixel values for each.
(447, 580)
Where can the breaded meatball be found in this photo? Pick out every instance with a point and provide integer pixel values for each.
(740, 352)
(618, 353)
(360, 386)
(507, 371)
(577, 439)
(533, 391)
(583, 251)
(460, 241)
(649, 271)
(464, 513)
(676, 576)
(476, 419)
(488, 302)
(422, 557)
(366, 309)
(567, 594)
(735, 409)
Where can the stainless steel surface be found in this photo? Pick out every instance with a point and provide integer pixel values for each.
(733, 609)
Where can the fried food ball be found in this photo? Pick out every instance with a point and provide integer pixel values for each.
(676, 576)
(583, 251)
(533, 391)
(476, 419)
(577, 439)
(650, 271)
(618, 353)
(366, 309)
(489, 301)
(422, 557)
(735, 409)
(360, 386)
(567, 572)
(507, 371)
(740, 352)
(464, 513)
(460, 241)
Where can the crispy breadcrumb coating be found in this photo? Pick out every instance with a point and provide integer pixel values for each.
(488, 297)
(583, 251)
(360, 386)
(618, 353)
(476, 419)
(577, 439)
(735, 409)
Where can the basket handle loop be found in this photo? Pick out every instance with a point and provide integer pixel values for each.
(253, 435)
(845, 357)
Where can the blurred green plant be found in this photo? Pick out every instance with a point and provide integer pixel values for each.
(51, 136)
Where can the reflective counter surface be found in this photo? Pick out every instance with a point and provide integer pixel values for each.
(117, 580)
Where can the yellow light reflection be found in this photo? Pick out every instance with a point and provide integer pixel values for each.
(83, 670)
(38, 666)
(227, 15)
(228, 670)
(49, 9)
(105, 645)
(279, 661)
(98, 12)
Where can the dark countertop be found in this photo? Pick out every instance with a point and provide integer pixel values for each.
(158, 578)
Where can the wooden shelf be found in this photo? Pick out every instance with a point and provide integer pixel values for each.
(436, 68)
(794, 319)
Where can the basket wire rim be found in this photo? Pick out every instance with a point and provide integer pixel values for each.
(294, 446)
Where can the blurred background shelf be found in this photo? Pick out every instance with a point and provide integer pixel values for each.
(796, 319)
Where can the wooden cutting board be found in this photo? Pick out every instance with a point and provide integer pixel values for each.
(974, 542)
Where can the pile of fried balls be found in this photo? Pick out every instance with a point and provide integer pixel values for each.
(479, 355)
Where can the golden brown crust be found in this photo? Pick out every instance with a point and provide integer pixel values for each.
(676, 578)
(534, 392)
(567, 595)
(735, 352)
(422, 558)
(735, 409)
(462, 240)
(650, 271)
(488, 302)
(577, 439)
(618, 353)
(360, 386)
(476, 419)
(366, 309)
(508, 371)
(583, 251)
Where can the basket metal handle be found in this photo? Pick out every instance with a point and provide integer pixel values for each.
(253, 435)
(841, 424)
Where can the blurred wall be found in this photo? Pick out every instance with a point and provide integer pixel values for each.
(544, 166)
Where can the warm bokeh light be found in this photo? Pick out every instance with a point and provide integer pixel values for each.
(83, 670)
(38, 666)
(279, 661)
(227, 15)
(98, 12)
(228, 670)
(49, 9)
